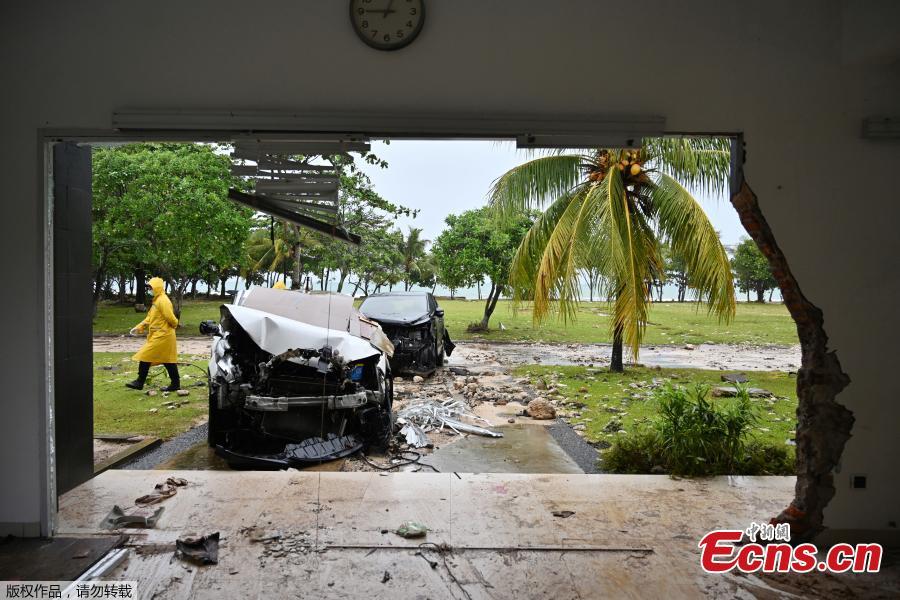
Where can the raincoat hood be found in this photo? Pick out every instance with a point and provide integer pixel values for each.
(158, 286)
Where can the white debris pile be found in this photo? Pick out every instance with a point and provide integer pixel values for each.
(419, 418)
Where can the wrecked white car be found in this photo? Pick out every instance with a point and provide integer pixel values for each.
(296, 379)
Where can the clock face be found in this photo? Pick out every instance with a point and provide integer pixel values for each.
(387, 24)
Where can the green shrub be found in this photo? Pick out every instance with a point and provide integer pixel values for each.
(693, 435)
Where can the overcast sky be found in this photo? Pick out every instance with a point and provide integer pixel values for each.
(444, 177)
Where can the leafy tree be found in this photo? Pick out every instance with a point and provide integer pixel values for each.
(425, 274)
(473, 247)
(362, 211)
(751, 268)
(676, 272)
(626, 202)
(163, 208)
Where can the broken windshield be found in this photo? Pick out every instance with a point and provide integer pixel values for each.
(399, 308)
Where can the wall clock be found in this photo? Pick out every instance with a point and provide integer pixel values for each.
(387, 24)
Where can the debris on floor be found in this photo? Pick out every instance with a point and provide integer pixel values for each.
(138, 516)
(162, 491)
(411, 529)
(203, 550)
(414, 435)
(563, 514)
(434, 415)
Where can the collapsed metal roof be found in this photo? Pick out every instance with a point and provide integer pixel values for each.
(294, 189)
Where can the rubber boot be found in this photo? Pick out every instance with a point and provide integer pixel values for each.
(175, 383)
(143, 370)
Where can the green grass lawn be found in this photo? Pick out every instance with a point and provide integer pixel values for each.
(625, 397)
(118, 409)
(115, 318)
(670, 323)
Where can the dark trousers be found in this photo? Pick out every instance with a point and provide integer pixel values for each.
(171, 369)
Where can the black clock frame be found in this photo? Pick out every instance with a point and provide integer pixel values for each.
(372, 44)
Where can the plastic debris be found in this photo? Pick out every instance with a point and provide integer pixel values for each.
(411, 529)
(133, 517)
(414, 435)
(202, 550)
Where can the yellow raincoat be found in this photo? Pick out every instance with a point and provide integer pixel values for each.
(279, 285)
(160, 324)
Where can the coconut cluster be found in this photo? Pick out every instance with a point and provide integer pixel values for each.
(629, 163)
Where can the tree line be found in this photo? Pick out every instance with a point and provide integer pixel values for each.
(162, 209)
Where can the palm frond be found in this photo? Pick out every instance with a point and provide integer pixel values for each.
(545, 267)
(697, 162)
(692, 238)
(534, 183)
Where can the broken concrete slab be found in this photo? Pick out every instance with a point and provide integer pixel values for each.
(725, 391)
(735, 378)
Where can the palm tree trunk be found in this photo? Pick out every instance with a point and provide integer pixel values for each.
(616, 365)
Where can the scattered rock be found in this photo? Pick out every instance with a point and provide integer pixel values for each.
(152, 393)
(182, 392)
(510, 420)
(418, 379)
(613, 426)
(153, 410)
(735, 378)
(460, 371)
(501, 401)
(688, 346)
(541, 410)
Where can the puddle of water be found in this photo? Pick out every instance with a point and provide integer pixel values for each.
(201, 457)
(522, 449)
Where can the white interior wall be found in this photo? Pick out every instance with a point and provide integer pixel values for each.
(796, 78)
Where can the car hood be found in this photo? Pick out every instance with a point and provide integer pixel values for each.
(394, 319)
(276, 334)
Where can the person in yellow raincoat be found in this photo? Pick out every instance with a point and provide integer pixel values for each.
(279, 285)
(160, 347)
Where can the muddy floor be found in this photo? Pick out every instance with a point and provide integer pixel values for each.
(484, 354)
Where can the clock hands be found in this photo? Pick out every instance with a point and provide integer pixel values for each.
(386, 11)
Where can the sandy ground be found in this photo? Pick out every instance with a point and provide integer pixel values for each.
(702, 356)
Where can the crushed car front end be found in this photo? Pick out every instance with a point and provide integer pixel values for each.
(296, 380)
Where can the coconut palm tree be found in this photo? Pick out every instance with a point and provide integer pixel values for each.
(620, 205)
(413, 250)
